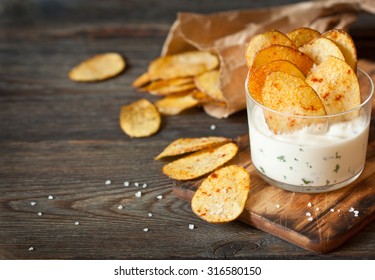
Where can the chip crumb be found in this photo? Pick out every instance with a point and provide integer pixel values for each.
(191, 226)
(120, 207)
(31, 248)
(159, 196)
(310, 219)
(108, 182)
(32, 203)
(213, 127)
(145, 229)
(40, 214)
(50, 197)
(76, 223)
(138, 194)
(149, 214)
(309, 204)
(126, 184)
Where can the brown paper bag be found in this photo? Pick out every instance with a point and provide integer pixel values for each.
(228, 33)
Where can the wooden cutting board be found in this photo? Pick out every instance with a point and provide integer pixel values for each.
(317, 222)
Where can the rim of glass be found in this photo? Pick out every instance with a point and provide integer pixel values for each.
(369, 97)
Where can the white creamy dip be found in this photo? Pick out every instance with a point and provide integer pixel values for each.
(307, 158)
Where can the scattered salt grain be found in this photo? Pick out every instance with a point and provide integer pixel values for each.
(317, 208)
(277, 206)
(149, 214)
(126, 184)
(31, 249)
(50, 197)
(40, 214)
(351, 209)
(308, 214)
(32, 203)
(138, 194)
(108, 182)
(191, 226)
(159, 197)
(76, 223)
(310, 219)
(356, 212)
(145, 229)
(309, 204)
(136, 184)
(120, 207)
(144, 186)
(332, 210)
(213, 127)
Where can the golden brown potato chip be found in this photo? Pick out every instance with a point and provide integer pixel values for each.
(345, 42)
(222, 195)
(166, 87)
(141, 80)
(263, 40)
(319, 49)
(182, 65)
(176, 103)
(187, 145)
(201, 162)
(303, 35)
(202, 97)
(285, 93)
(337, 85)
(140, 119)
(278, 52)
(258, 76)
(209, 84)
(97, 68)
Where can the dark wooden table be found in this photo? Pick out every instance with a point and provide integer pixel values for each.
(62, 139)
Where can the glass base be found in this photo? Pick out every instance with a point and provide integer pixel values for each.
(308, 189)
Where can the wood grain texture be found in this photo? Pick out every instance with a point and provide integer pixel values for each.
(63, 139)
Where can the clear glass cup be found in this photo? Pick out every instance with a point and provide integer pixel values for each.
(324, 154)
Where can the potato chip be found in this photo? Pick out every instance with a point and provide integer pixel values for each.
(319, 49)
(97, 68)
(209, 84)
(141, 80)
(166, 87)
(289, 94)
(188, 145)
(222, 196)
(266, 39)
(345, 43)
(278, 52)
(140, 119)
(337, 85)
(201, 162)
(258, 76)
(176, 103)
(303, 35)
(182, 65)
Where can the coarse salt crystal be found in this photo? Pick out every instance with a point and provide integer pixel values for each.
(138, 194)
(50, 197)
(108, 182)
(40, 214)
(31, 249)
(332, 210)
(308, 214)
(159, 197)
(126, 184)
(213, 127)
(317, 208)
(149, 214)
(351, 209)
(76, 223)
(309, 204)
(136, 184)
(144, 185)
(32, 203)
(120, 207)
(145, 229)
(310, 219)
(277, 206)
(356, 212)
(191, 226)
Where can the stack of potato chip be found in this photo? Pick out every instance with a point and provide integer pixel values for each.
(302, 73)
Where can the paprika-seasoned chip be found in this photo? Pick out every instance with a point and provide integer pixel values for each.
(289, 94)
(209, 84)
(222, 196)
(97, 68)
(345, 42)
(166, 87)
(176, 103)
(201, 162)
(266, 39)
(337, 85)
(319, 49)
(182, 65)
(303, 35)
(258, 76)
(278, 52)
(187, 145)
(140, 118)
(141, 80)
